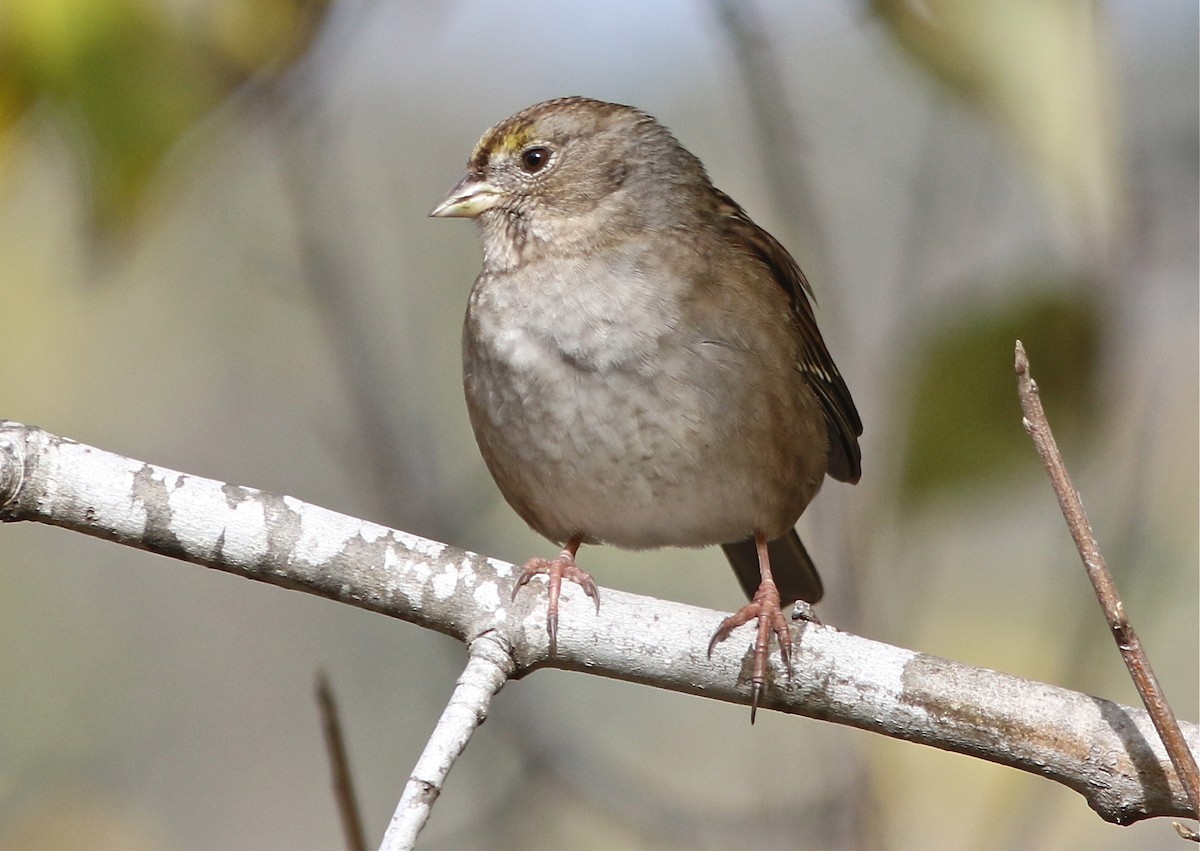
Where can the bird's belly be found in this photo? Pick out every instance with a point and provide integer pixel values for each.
(638, 458)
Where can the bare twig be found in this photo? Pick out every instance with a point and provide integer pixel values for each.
(1129, 644)
(395, 461)
(488, 668)
(1185, 832)
(339, 763)
(392, 450)
(776, 130)
(1106, 752)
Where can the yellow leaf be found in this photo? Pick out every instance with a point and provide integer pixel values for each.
(1042, 70)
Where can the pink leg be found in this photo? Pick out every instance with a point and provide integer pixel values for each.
(765, 608)
(560, 567)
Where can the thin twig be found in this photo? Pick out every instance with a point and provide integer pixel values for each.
(1106, 592)
(1185, 832)
(488, 667)
(776, 130)
(339, 763)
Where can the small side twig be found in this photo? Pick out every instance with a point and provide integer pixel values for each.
(339, 763)
(1132, 652)
(488, 668)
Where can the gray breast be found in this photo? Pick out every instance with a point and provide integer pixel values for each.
(598, 415)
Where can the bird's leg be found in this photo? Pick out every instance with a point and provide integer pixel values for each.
(560, 567)
(766, 609)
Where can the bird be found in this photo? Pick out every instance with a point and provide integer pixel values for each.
(641, 361)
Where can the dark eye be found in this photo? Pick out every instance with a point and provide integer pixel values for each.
(535, 159)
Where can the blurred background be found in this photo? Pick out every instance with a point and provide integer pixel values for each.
(215, 256)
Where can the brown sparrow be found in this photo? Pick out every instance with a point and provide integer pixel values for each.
(641, 361)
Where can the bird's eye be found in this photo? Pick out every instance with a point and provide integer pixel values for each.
(535, 159)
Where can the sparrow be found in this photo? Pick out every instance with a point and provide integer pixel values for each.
(641, 361)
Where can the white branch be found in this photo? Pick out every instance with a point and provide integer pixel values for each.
(488, 668)
(1108, 753)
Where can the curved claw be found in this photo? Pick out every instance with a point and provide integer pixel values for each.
(532, 568)
(724, 631)
(588, 585)
(766, 612)
(714, 641)
(561, 567)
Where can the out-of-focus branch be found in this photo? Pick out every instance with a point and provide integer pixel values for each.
(1106, 752)
(394, 456)
(339, 763)
(1132, 652)
(776, 131)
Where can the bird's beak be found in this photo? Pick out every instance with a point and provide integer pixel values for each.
(467, 200)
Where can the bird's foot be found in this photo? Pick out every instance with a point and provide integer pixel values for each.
(766, 609)
(557, 569)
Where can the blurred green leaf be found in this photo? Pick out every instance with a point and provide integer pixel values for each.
(125, 80)
(265, 36)
(966, 420)
(1043, 70)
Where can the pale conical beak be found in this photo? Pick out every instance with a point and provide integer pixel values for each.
(467, 200)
